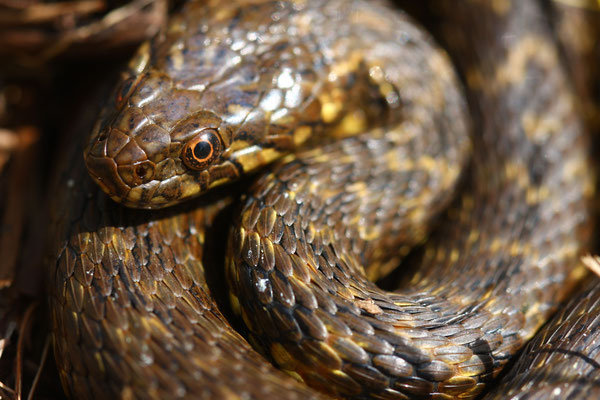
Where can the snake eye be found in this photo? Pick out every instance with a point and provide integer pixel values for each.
(202, 150)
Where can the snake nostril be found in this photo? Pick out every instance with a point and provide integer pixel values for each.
(103, 136)
(144, 171)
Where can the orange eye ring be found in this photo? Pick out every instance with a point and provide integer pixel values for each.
(202, 150)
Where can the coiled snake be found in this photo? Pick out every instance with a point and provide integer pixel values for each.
(231, 86)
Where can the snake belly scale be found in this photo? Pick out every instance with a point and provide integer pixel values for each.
(378, 143)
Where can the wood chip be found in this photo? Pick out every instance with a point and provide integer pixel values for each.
(369, 306)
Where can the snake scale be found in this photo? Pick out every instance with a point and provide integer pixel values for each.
(378, 152)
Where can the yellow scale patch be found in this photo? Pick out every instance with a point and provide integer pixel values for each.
(539, 127)
(352, 124)
(301, 134)
(529, 48)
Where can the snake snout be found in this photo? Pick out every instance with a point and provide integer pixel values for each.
(118, 164)
(103, 171)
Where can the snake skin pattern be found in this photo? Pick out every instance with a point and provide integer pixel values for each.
(230, 87)
(561, 362)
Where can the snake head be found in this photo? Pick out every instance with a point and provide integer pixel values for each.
(149, 150)
(204, 103)
(158, 142)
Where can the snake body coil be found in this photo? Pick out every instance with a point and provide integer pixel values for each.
(230, 87)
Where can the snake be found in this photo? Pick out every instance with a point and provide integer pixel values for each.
(561, 362)
(374, 148)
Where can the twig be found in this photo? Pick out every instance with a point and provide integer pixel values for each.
(40, 368)
(111, 19)
(8, 140)
(9, 390)
(40, 13)
(23, 329)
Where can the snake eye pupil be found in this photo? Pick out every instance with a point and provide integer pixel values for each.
(202, 150)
